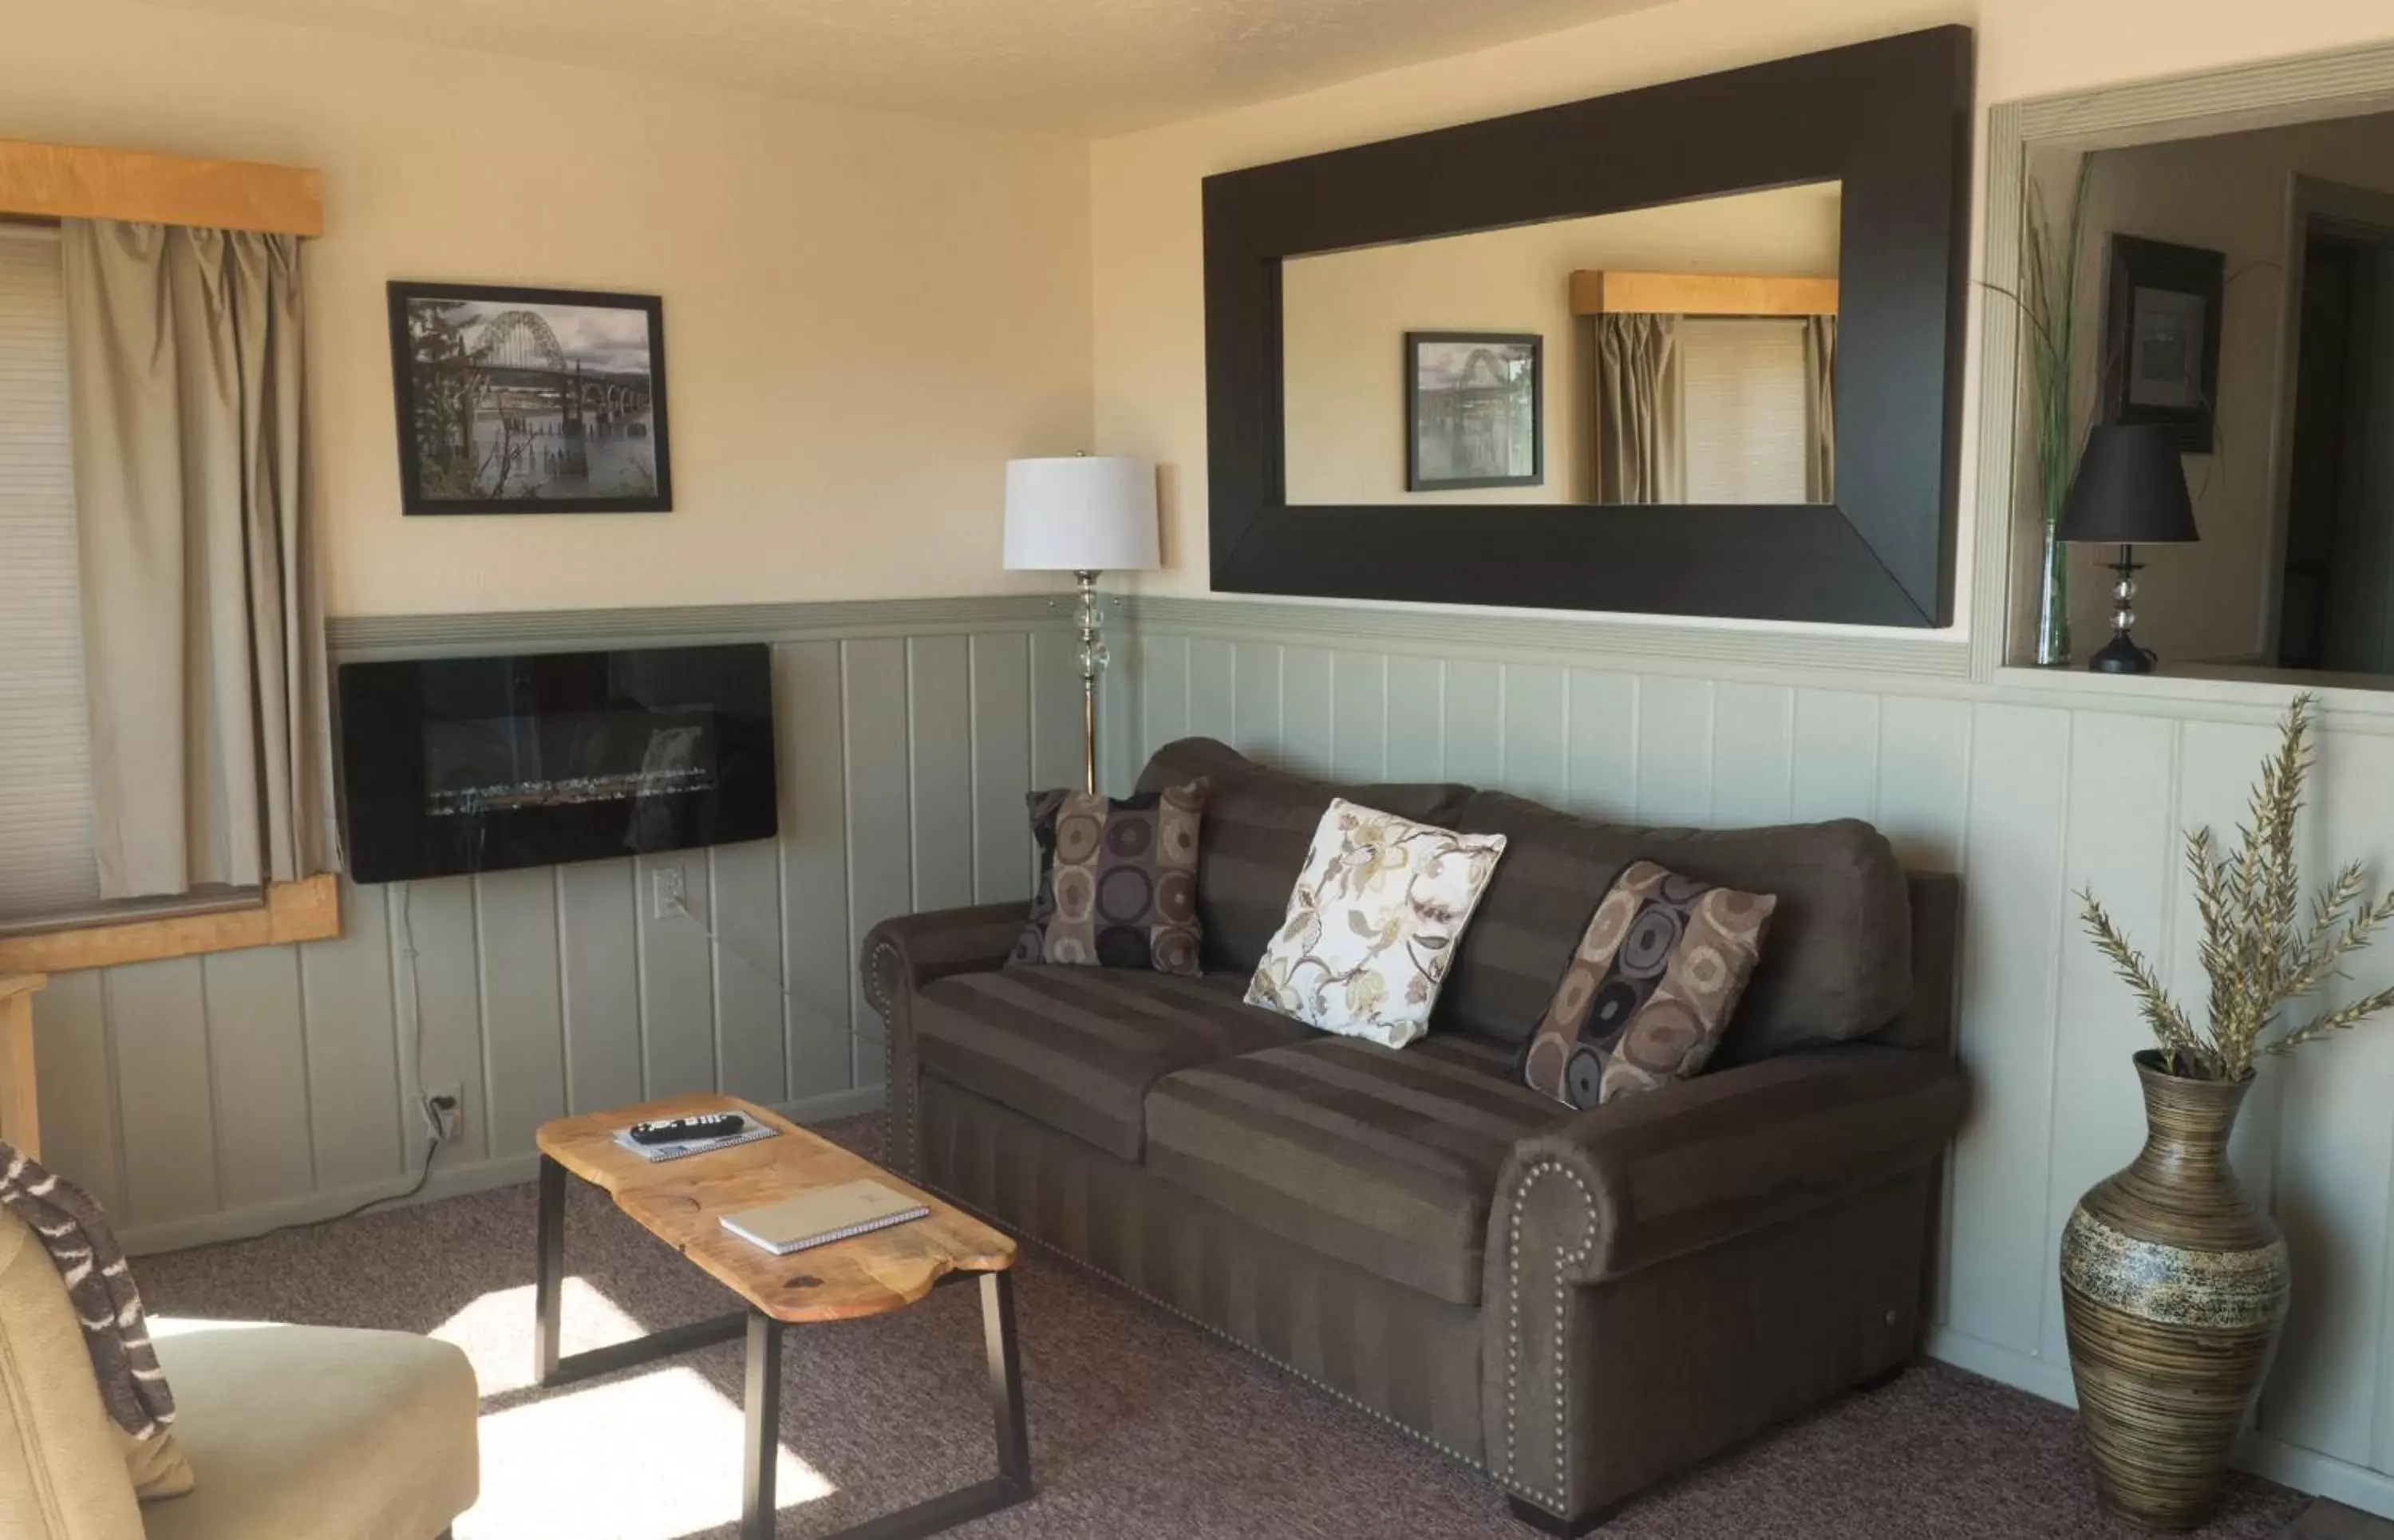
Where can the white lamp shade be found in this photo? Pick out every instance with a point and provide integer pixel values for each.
(1087, 513)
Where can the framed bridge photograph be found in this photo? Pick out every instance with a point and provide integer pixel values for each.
(529, 401)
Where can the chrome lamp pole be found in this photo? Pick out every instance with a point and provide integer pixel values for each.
(1093, 663)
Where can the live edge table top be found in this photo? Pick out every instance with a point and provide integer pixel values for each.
(682, 1202)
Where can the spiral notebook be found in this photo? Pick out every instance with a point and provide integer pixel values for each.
(823, 1215)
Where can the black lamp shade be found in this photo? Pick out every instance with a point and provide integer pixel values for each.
(2131, 489)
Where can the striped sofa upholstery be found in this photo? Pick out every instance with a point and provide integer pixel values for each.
(1578, 1303)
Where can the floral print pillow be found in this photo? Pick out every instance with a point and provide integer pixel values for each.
(1377, 912)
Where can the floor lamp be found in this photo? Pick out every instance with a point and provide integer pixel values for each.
(1084, 515)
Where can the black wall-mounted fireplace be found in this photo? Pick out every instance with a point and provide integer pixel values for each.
(455, 765)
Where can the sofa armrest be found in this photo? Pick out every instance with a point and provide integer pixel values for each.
(899, 957)
(904, 953)
(1671, 1271)
(1650, 1176)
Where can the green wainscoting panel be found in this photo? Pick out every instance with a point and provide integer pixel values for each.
(203, 1099)
(523, 1006)
(257, 1064)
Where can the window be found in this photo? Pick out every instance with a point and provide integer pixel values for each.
(1742, 405)
(46, 865)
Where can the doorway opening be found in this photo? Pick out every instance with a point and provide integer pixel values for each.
(2336, 599)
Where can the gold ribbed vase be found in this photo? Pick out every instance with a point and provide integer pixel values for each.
(2173, 1286)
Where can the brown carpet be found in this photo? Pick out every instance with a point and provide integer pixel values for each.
(1142, 1424)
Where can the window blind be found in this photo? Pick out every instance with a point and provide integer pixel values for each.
(1743, 406)
(46, 867)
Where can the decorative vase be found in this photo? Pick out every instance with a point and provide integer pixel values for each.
(2053, 600)
(2173, 1288)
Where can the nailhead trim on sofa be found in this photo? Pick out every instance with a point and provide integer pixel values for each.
(1564, 1261)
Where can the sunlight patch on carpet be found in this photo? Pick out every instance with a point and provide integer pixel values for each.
(495, 1331)
(651, 1457)
(646, 1458)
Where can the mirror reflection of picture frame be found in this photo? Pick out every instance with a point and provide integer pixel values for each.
(2161, 337)
(1475, 410)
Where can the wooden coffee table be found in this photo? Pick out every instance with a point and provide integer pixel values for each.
(681, 1203)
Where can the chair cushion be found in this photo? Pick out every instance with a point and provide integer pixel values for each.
(1258, 823)
(1837, 966)
(317, 1432)
(1077, 1047)
(1383, 1157)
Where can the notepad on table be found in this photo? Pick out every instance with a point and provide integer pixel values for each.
(823, 1215)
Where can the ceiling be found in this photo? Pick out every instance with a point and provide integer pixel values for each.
(1083, 67)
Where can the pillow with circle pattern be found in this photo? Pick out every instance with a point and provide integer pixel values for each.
(1650, 988)
(1118, 880)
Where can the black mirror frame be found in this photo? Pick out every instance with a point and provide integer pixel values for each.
(1888, 119)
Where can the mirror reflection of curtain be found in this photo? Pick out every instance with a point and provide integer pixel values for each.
(203, 634)
(1640, 447)
(1820, 408)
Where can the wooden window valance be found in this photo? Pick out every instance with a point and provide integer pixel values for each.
(59, 181)
(1594, 292)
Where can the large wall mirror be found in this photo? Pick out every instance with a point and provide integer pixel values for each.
(1689, 349)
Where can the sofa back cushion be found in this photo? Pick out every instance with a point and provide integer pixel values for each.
(1837, 964)
(1259, 823)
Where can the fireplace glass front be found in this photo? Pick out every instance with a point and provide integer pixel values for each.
(459, 765)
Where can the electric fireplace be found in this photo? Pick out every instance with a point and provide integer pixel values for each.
(455, 765)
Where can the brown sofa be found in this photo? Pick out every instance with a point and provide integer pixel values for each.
(1578, 1303)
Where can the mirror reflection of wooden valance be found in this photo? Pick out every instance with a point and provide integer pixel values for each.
(1595, 293)
(61, 181)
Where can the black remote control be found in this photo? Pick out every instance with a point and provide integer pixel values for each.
(672, 1130)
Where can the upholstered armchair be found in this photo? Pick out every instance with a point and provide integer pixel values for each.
(304, 1432)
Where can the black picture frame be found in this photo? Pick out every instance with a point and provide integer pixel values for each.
(1890, 120)
(2154, 372)
(1417, 476)
(630, 405)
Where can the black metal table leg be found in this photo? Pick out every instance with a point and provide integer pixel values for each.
(1012, 1482)
(549, 1270)
(1005, 1379)
(553, 1367)
(764, 1404)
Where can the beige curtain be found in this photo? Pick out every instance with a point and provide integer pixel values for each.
(1820, 408)
(1640, 441)
(203, 636)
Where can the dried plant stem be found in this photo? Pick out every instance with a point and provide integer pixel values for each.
(2258, 953)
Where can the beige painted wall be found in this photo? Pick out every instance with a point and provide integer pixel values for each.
(1344, 315)
(865, 314)
(1151, 356)
(2229, 194)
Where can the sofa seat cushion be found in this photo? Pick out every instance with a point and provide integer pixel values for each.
(1385, 1158)
(1077, 1047)
(317, 1432)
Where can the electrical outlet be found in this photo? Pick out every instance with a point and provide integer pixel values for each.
(443, 1109)
(668, 892)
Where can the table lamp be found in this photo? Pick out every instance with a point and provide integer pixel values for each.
(2130, 491)
(1083, 514)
